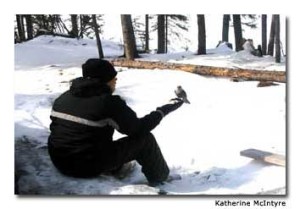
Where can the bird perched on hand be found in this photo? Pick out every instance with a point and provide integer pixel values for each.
(180, 93)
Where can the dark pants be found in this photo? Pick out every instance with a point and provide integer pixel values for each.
(144, 149)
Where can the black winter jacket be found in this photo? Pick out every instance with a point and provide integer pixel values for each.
(76, 145)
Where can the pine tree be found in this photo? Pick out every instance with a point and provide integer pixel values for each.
(271, 37)
(20, 27)
(140, 32)
(74, 32)
(225, 30)
(128, 37)
(238, 32)
(29, 26)
(98, 40)
(87, 26)
(161, 34)
(147, 33)
(249, 20)
(264, 34)
(169, 27)
(201, 34)
(277, 38)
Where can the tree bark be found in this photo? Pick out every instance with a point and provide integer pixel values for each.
(238, 32)
(29, 27)
(166, 33)
(240, 74)
(147, 33)
(74, 32)
(161, 34)
(264, 34)
(201, 35)
(225, 30)
(128, 37)
(20, 27)
(99, 45)
(81, 26)
(277, 39)
(272, 37)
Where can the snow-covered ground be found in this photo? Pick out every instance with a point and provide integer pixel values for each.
(201, 141)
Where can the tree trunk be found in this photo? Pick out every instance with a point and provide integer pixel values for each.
(166, 26)
(99, 45)
(147, 33)
(17, 39)
(20, 27)
(50, 24)
(129, 38)
(264, 34)
(29, 26)
(161, 34)
(201, 34)
(74, 32)
(239, 74)
(81, 26)
(225, 31)
(277, 39)
(272, 37)
(238, 32)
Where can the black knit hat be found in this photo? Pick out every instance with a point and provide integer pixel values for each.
(98, 68)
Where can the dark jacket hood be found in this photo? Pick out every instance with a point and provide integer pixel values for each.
(87, 87)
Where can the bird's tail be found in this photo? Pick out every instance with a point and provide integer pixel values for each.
(186, 101)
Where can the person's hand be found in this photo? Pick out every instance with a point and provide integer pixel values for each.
(173, 104)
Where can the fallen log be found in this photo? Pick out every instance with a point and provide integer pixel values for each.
(264, 156)
(238, 74)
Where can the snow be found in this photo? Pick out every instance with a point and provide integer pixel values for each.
(201, 141)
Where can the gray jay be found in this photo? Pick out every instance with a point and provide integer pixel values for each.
(180, 93)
